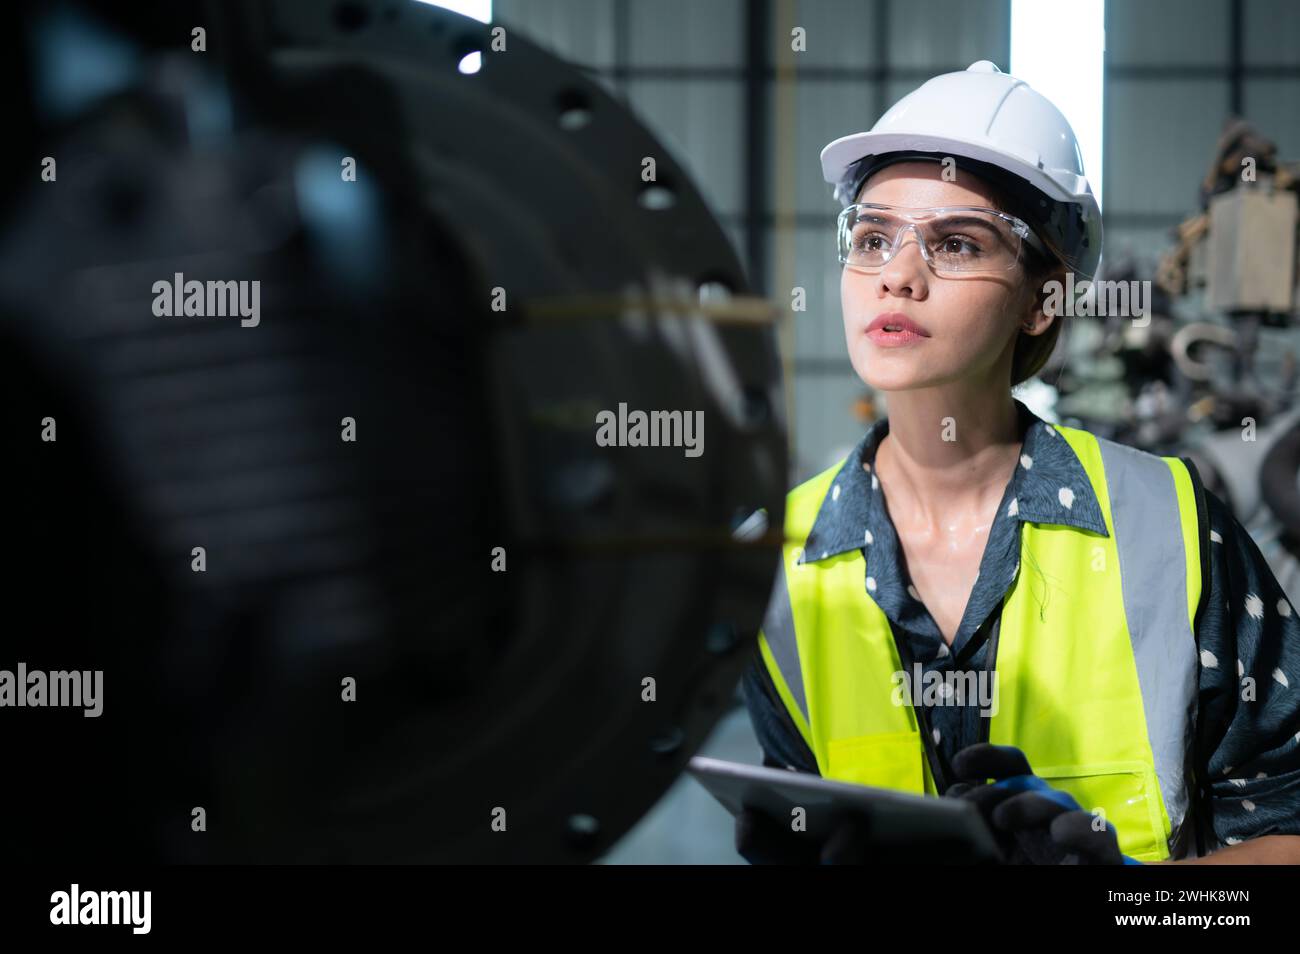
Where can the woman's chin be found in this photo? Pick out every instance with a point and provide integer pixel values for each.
(891, 375)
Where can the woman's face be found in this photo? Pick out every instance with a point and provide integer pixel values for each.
(972, 321)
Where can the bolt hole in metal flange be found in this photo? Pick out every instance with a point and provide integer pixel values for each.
(657, 197)
(667, 742)
(582, 830)
(713, 292)
(468, 54)
(574, 110)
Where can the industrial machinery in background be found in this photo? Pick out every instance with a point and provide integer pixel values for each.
(538, 631)
(1216, 363)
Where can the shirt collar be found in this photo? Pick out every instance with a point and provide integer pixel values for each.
(1049, 485)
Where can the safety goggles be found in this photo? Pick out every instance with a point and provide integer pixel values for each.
(954, 240)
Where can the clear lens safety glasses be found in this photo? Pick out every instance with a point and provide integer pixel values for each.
(952, 239)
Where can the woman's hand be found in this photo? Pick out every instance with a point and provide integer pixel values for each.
(1034, 823)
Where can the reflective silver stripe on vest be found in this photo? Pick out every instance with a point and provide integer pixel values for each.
(778, 627)
(1153, 570)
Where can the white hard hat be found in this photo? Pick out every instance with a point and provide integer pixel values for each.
(999, 122)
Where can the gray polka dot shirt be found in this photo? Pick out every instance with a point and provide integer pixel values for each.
(1249, 635)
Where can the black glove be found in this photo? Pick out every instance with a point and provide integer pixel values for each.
(1033, 822)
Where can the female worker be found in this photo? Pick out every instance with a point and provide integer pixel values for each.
(1126, 667)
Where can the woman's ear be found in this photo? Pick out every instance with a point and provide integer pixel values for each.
(1045, 300)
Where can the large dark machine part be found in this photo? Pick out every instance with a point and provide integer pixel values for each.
(497, 275)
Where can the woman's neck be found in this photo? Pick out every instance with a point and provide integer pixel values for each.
(948, 455)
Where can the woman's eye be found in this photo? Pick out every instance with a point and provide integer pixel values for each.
(959, 245)
(871, 241)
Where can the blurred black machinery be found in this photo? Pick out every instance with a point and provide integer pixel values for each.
(497, 274)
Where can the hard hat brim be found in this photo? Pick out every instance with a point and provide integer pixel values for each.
(839, 155)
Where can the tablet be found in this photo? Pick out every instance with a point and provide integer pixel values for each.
(941, 830)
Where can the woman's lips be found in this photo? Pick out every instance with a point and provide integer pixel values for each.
(909, 332)
(894, 339)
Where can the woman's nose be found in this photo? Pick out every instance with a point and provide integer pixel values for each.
(904, 272)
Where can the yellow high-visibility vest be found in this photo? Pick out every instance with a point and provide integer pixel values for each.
(1096, 668)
